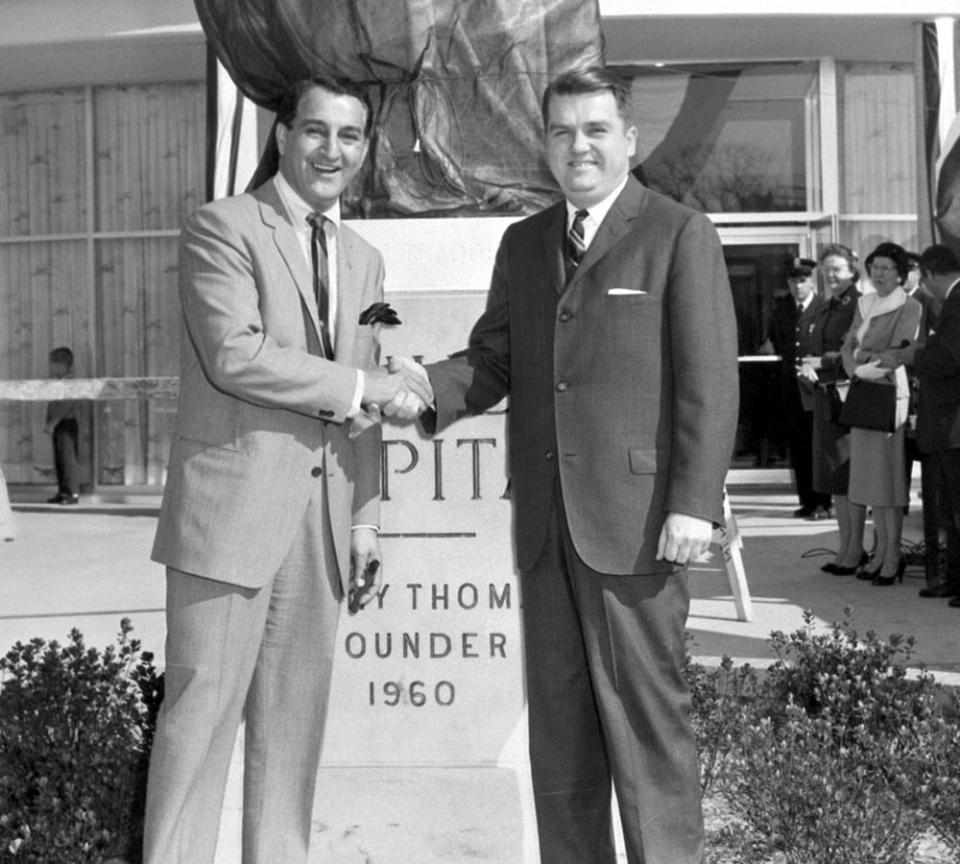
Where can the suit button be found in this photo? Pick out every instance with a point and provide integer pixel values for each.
(562, 386)
(548, 455)
(316, 471)
(565, 316)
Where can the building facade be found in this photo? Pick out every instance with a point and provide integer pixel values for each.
(791, 128)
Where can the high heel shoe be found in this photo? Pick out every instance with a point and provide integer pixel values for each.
(838, 570)
(896, 577)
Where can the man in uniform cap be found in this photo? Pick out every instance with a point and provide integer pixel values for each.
(792, 326)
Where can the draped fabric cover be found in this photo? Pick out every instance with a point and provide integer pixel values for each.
(456, 88)
(948, 198)
(942, 167)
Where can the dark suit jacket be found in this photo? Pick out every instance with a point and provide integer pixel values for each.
(792, 335)
(261, 417)
(624, 379)
(937, 365)
(831, 326)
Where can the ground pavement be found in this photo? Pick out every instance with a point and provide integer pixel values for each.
(88, 566)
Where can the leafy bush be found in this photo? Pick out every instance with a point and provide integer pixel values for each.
(833, 754)
(76, 726)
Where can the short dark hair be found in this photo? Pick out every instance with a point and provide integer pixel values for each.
(839, 250)
(590, 79)
(938, 260)
(62, 355)
(290, 101)
(896, 253)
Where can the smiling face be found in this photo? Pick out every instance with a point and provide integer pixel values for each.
(884, 275)
(324, 147)
(837, 274)
(589, 145)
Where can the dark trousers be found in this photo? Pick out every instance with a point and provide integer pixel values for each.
(945, 465)
(930, 493)
(800, 444)
(607, 701)
(65, 437)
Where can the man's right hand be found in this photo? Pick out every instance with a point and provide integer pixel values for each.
(408, 406)
(381, 386)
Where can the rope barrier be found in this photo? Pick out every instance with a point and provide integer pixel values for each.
(101, 389)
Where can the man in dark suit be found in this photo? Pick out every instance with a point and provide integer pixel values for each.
(610, 325)
(791, 330)
(272, 494)
(937, 365)
(929, 491)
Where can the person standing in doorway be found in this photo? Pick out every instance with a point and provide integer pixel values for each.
(62, 423)
(791, 332)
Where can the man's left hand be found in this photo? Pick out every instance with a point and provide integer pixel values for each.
(364, 549)
(683, 538)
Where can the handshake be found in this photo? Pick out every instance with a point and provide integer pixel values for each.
(402, 390)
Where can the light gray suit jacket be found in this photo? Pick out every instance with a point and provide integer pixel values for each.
(261, 416)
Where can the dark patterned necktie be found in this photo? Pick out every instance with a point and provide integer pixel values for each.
(578, 245)
(321, 278)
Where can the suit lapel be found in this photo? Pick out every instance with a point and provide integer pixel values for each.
(349, 294)
(553, 233)
(274, 215)
(615, 225)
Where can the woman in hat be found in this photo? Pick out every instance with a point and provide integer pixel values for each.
(880, 342)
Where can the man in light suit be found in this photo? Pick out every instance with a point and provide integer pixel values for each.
(272, 490)
(618, 349)
(937, 365)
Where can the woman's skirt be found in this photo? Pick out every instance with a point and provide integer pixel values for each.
(877, 474)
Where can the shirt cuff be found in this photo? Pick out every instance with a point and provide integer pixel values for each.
(357, 396)
(371, 527)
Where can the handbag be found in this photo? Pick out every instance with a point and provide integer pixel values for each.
(870, 405)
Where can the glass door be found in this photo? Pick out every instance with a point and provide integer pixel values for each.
(756, 263)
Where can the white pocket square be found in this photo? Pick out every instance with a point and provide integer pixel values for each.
(625, 292)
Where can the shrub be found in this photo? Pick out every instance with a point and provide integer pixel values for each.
(833, 754)
(721, 700)
(76, 727)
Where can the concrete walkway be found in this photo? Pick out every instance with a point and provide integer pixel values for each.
(87, 567)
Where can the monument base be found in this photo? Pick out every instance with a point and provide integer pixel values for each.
(392, 814)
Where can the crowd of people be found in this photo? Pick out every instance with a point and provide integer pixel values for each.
(877, 388)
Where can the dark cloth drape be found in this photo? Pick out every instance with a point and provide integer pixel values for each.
(456, 88)
(945, 183)
(948, 199)
(675, 165)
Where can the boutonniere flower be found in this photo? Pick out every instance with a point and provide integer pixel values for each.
(379, 313)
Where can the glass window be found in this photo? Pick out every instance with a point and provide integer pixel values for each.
(88, 249)
(730, 138)
(878, 155)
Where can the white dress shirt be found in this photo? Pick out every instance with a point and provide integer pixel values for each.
(298, 210)
(595, 214)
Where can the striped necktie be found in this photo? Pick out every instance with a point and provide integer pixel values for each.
(576, 237)
(321, 278)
